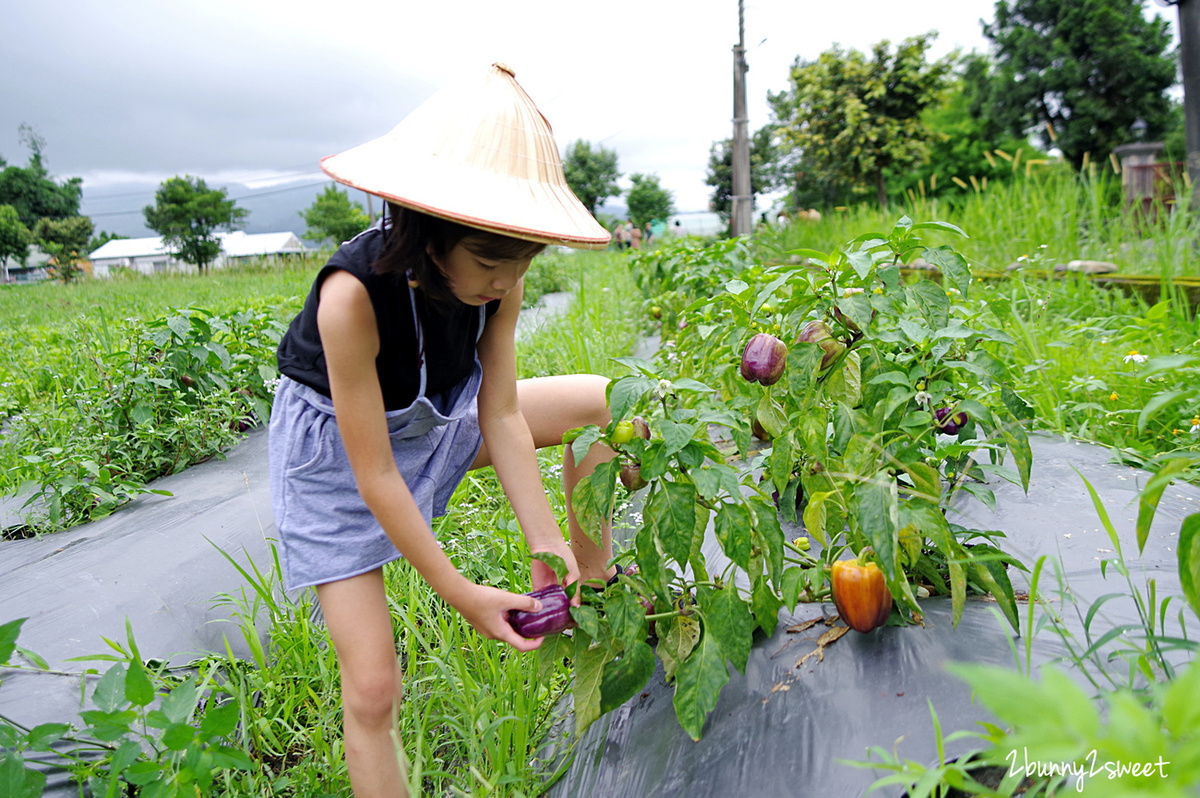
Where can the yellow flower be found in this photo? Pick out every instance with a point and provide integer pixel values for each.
(1113, 396)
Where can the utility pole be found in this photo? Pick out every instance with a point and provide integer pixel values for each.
(1189, 58)
(741, 218)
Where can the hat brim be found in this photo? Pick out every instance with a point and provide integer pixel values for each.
(498, 203)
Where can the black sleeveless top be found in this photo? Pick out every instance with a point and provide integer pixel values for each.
(450, 332)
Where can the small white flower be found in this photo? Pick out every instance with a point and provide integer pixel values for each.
(924, 397)
(1195, 425)
(1134, 357)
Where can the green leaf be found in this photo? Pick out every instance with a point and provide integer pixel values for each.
(793, 583)
(735, 533)
(927, 482)
(109, 695)
(698, 685)
(589, 672)
(584, 440)
(9, 632)
(675, 435)
(1105, 521)
(876, 512)
(17, 780)
(671, 514)
(556, 563)
(138, 689)
(1181, 704)
(42, 736)
(1156, 403)
(674, 645)
(627, 392)
(178, 736)
(592, 499)
(125, 755)
(766, 604)
(1151, 495)
(953, 266)
(588, 619)
(771, 415)
(815, 516)
(226, 758)
(649, 560)
(769, 535)
(1018, 445)
(179, 325)
(143, 773)
(108, 726)
(626, 617)
(624, 676)
(220, 720)
(180, 702)
(727, 618)
(1189, 561)
(932, 302)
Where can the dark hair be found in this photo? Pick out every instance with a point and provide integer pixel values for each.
(413, 235)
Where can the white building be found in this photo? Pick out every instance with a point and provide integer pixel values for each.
(149, 256)
(699, 223)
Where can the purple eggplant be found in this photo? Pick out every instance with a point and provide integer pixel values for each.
(948, 421)
(554, 617)
(631, 477)
(816, 332)
(763, 359)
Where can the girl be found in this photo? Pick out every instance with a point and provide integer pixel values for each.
(399, 375)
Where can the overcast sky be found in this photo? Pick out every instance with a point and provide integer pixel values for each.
(257, 91)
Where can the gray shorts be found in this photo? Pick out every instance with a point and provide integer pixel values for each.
(326, 530)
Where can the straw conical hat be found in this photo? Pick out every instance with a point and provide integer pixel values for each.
(480, 154)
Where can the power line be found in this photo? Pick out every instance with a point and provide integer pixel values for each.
(251, 195)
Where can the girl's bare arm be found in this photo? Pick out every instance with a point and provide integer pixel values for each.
(350, 339)
(510, 444)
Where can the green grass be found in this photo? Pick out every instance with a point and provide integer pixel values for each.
(1049, 217)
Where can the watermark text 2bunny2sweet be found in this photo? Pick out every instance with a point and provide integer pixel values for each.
(1020, 763)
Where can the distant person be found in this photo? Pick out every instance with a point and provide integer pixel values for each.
(621, 235)
(399, 376)
(635, 236)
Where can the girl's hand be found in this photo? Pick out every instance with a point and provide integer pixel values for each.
(486, 609)
(543, 576)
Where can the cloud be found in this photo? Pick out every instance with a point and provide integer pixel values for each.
(227, 89)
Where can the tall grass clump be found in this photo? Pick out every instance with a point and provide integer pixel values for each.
(1042, 217)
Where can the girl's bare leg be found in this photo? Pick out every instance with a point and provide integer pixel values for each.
(356, 613)
(551, 406)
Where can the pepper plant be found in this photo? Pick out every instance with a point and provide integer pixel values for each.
(890, 403)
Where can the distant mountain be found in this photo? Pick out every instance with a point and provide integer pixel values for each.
(118, 208)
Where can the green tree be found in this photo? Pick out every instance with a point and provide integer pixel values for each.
(66, 241)
(188, 215)
(1087, 68)
(101, 239)
(30, 190)
(591, 173)
(15, 237)
(763, 169)
(333, 216)
(965, 141)
(853, 118)
(647, 200)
